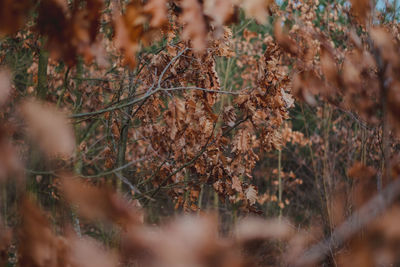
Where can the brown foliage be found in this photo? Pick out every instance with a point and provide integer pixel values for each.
(178, 122)
(99, 203)
(48, 127)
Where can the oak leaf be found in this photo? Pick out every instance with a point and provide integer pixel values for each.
(251, 194)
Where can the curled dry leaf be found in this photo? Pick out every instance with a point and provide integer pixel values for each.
(237, 184)
(49, 127)
(287, 98)
(229, 116)
(251, 194)
(256, 228)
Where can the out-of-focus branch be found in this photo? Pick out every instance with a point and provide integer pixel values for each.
(358, 220)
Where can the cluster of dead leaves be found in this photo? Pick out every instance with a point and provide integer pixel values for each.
(361, 78)
(73, 29)
(189, 129)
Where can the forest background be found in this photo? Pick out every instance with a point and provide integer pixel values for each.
(199, 133)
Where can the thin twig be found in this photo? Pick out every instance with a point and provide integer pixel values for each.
(169, 64)
(113, 171)
(202, 89)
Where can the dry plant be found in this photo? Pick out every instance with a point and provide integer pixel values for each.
(118, 114)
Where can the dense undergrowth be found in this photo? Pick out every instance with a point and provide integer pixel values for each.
(199, 133)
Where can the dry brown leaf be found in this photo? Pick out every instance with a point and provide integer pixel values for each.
(251, 194)
(158, 10)
(194, 25)
(229, 116)
(351, 71)
(220, 10)
(287, 98)
(283, 39)
(13, 15)
(49, 127)
(186, 241)
(129, 31)
(100, 203)
(361, 9)
(237, 184)
(304, 87)
(241, 144)
(257, 9)
(385, 43)
(69, 31)
(38, 244)
(360, 171)
(329, 68)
